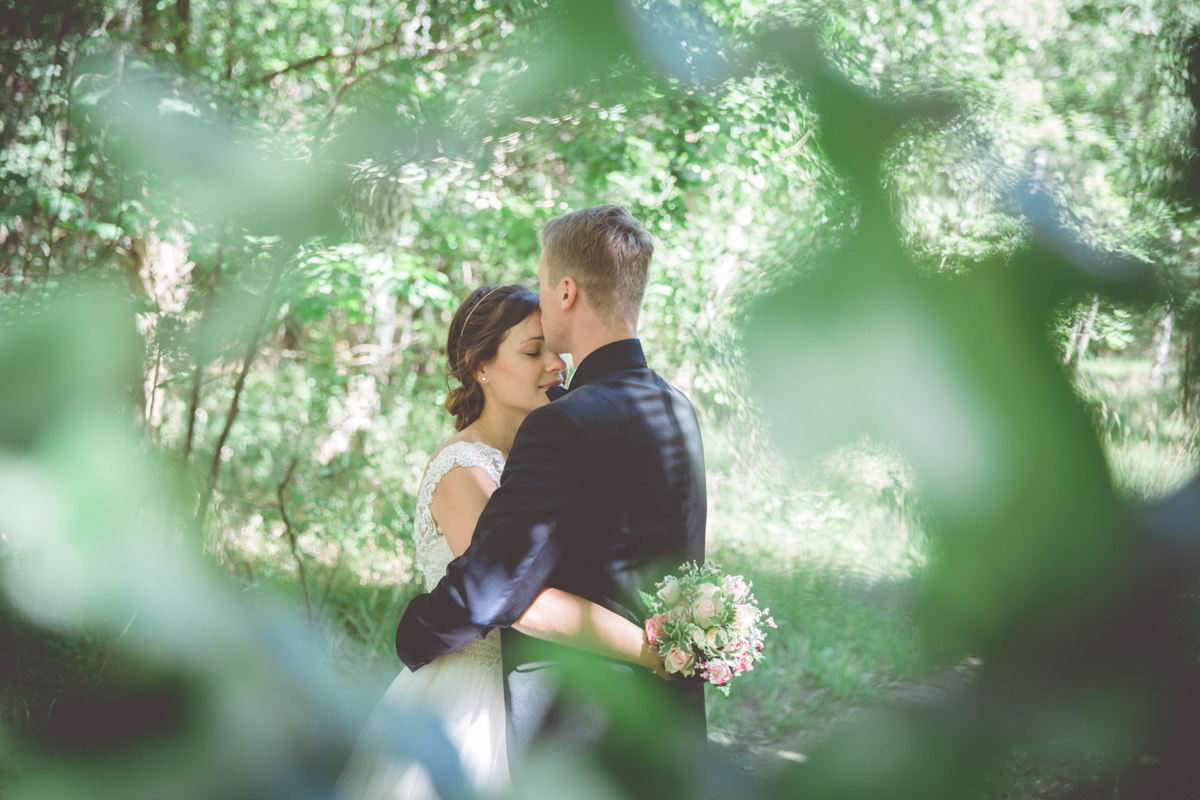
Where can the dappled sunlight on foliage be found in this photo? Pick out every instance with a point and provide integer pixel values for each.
(928, 274)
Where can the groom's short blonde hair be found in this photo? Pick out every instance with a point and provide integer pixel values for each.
(607, 252)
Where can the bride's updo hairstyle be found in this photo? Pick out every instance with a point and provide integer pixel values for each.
(476, 332)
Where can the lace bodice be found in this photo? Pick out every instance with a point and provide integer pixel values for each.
(433, 551)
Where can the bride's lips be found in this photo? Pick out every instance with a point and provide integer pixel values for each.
(551, 383)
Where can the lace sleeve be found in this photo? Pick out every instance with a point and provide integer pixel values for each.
(433, 552)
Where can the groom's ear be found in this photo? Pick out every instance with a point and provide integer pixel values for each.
(568, 293)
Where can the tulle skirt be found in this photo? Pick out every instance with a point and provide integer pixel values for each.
(467, 694)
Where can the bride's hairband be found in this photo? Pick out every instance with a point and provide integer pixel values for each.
(463, 329)
(472, 311)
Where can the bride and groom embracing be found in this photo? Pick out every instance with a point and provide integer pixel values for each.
(539, 521)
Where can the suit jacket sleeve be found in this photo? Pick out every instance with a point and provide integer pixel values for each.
(514, 549)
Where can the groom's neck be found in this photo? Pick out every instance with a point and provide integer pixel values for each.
(586, 342)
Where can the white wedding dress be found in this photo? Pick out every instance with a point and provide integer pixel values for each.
(464, 688)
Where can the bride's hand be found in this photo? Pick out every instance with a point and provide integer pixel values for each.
(651, 660)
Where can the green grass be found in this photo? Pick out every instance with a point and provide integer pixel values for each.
(833, 551)
(842, 640)
(355, 619)
(1151, 442)
(49, 680)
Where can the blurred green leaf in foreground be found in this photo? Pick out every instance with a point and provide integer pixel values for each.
(1075, 603)
(227, 699)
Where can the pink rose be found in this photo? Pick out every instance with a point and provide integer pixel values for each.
(742, 661)
(719, 673)
(744, 617)
(705, 609)
(737, 587)
(677, 660)
(654, 629)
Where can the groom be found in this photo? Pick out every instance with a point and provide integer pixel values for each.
(602, 494)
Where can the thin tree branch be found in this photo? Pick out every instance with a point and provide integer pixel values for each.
(251, 351)
(348, 79)
(332, 576)
(291, 535)
(89, 195)
(334, 52)
(112, 649)
(346, 83)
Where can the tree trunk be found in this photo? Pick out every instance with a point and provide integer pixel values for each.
(1162, 349)
(183, 25)
(151, 24)
(198, 374)
(1187, 384)
(1085, 335)
(153, 392)
(229, 52)
(1070, 351)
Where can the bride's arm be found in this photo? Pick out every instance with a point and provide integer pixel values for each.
(565, 618)
(555, 616)
(458, 500)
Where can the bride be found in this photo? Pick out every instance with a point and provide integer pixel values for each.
(496, 350)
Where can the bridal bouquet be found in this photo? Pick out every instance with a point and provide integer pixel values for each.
(706, 623)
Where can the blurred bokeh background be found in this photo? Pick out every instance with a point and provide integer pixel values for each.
(929, 271)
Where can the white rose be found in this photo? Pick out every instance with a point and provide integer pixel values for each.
(680, 612)
(669, 593)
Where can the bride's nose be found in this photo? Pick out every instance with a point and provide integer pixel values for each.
(555, 363)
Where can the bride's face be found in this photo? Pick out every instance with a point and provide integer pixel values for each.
(517, 378)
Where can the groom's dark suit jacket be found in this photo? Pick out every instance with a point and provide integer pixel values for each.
(602, 494)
